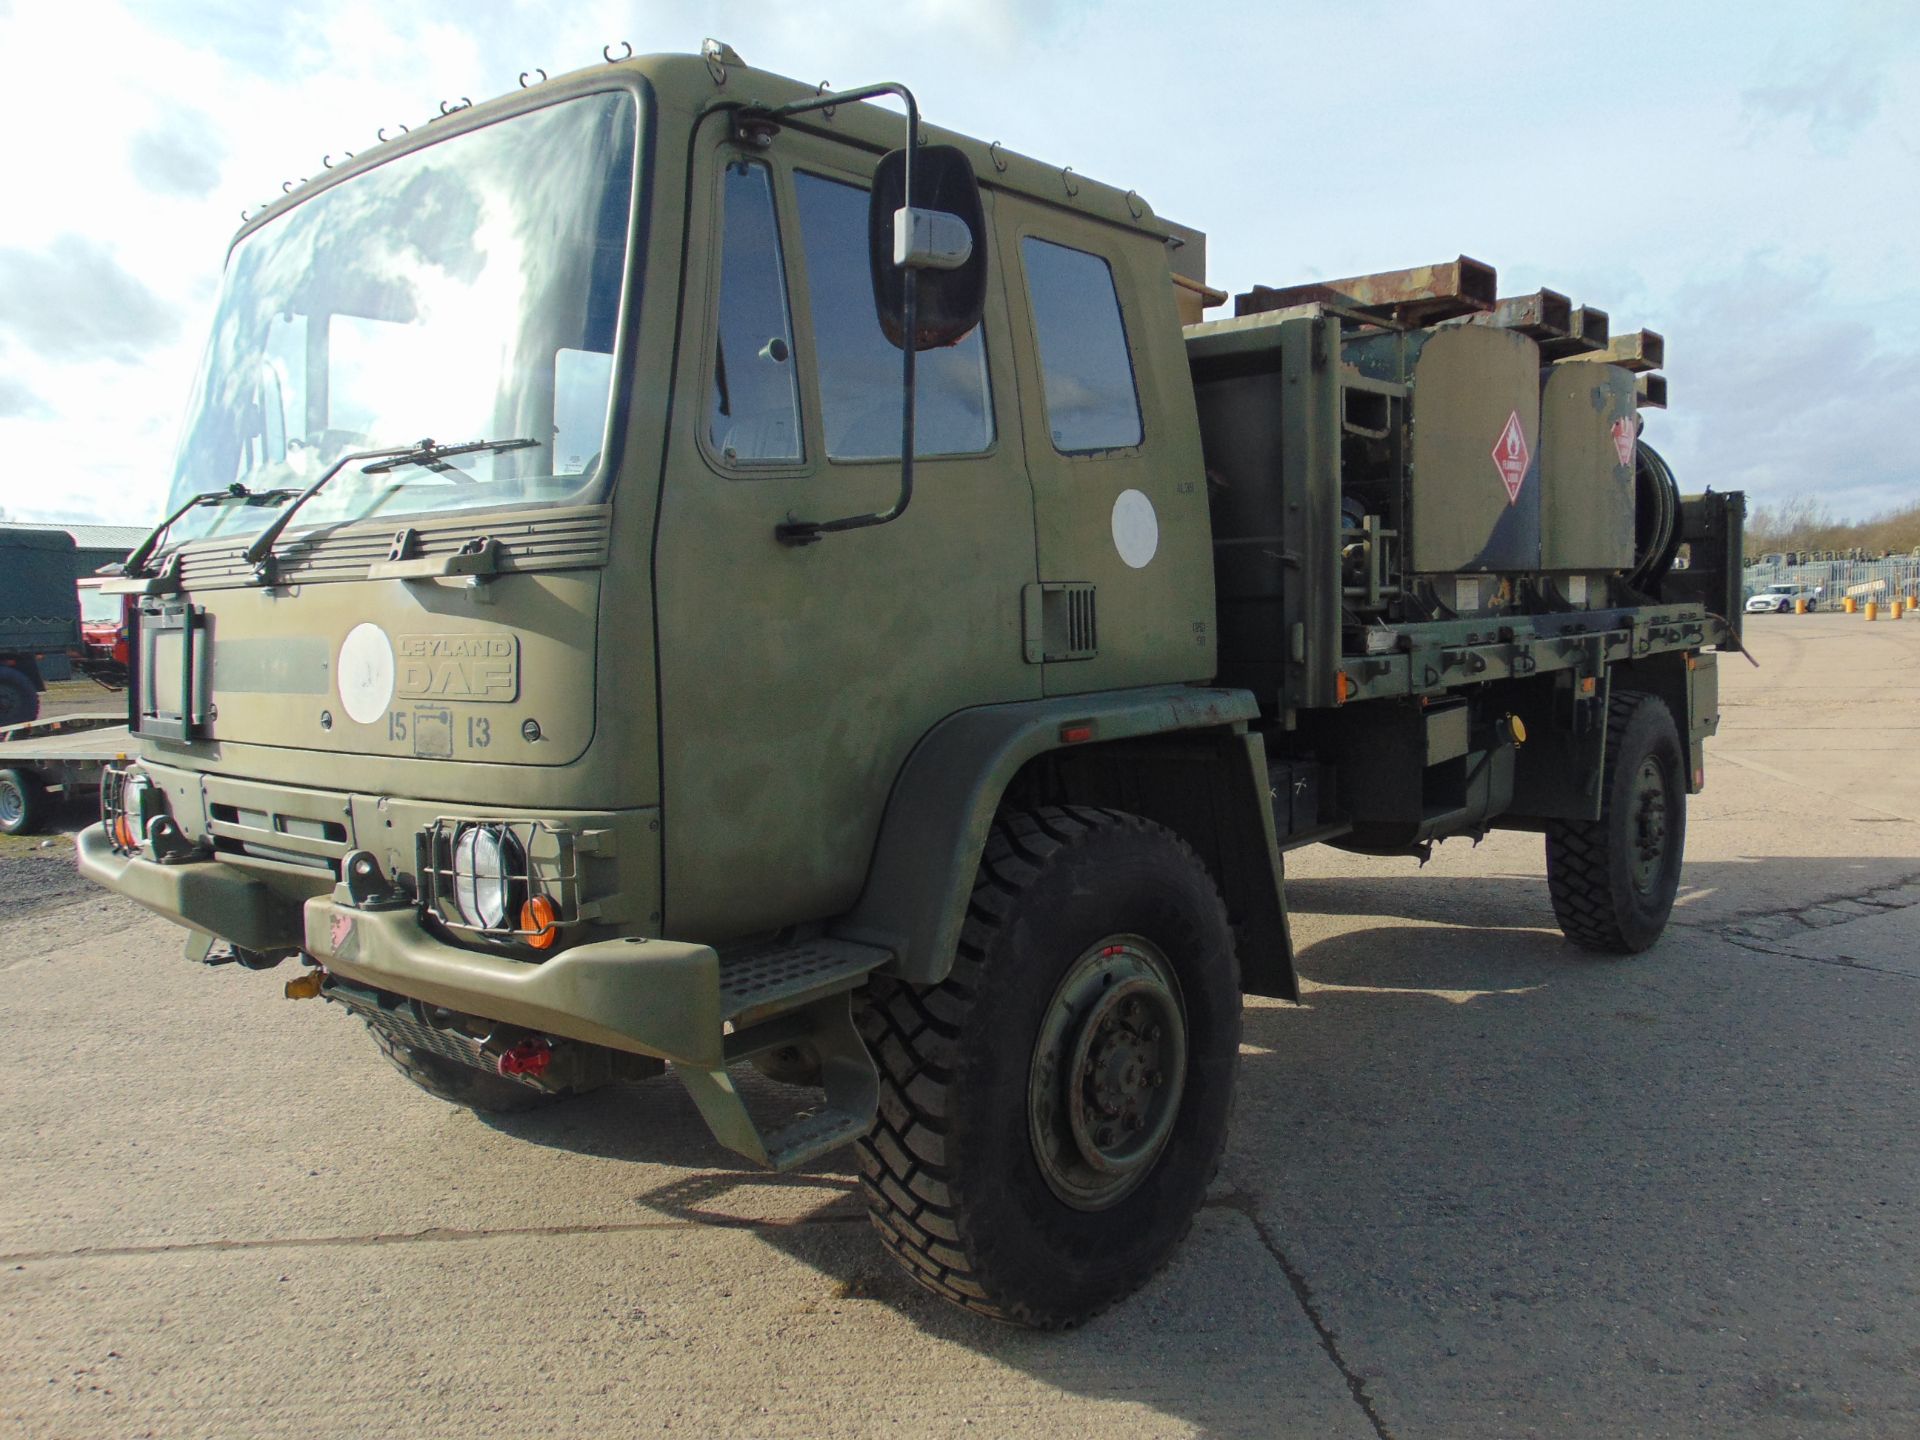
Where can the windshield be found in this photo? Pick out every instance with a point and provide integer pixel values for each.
(465, 290)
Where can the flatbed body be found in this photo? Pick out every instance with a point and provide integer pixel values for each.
(67, 753)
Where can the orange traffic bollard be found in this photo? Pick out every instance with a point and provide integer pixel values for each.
(1800, 605)
(1893, 611)
(1849, 604)
(1873, 610)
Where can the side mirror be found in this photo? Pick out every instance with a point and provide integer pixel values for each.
(938, 233)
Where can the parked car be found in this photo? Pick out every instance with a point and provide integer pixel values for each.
(1780, 598)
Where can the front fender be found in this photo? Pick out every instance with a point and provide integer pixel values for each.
(943, 803)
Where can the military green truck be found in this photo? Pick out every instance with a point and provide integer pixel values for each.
(39, 617)
(860, 624)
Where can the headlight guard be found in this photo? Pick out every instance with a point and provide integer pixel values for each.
(503, 880)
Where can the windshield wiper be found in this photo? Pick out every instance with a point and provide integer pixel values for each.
(425, 453)
(135, 563)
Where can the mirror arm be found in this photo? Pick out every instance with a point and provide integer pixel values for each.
(807, 532)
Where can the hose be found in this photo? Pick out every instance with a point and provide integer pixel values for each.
(1656, 518)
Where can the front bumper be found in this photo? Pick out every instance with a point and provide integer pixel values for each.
(210, 897)
(652, 997)
(670, 999)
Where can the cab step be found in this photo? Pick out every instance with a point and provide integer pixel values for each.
(797, 994)
(786, 976)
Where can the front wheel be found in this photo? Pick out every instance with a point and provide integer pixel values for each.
(1613, 880)
(1051, 1114)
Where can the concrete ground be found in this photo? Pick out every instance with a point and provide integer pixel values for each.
(1479, 1184)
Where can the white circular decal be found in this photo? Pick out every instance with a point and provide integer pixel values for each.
(1136, 529)
(366, 673)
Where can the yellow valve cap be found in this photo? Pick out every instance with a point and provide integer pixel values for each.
(1517, 728)
(305, 987)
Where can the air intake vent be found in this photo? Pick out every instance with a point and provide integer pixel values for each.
(1060, 621)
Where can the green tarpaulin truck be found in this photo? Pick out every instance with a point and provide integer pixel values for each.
(39, 617)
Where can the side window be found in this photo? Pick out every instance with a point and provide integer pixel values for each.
(859, 370)
(1084, 365)
(755, 412)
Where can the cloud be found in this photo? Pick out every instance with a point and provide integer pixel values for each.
(19, 402)
(1835, 102)
(1786, 392)
(74, 301)
(179, 154)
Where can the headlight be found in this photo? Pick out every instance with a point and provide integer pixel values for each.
(487, 871)
(128, 800)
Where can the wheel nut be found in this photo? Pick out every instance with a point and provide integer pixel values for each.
(1105, 1136)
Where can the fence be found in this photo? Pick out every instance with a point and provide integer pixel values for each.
(1881, 580)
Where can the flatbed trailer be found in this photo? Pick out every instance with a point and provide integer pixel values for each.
(62, 757)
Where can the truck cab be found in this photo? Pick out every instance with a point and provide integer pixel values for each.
(582, 692)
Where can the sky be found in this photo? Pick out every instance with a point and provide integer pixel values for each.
(1742, 177)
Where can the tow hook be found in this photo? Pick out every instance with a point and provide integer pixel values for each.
(526, 1059)
(306, 986)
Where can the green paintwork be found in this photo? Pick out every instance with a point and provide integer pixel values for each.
(1586, 489)
(779, 764)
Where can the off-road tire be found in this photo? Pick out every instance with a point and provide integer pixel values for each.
(950, 1169)
(461, 1084)
(1591, 863)
(19, 701)
(23, 802)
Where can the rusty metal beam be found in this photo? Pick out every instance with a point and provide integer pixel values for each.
(1588, 332)
(1417, 296)
(1545, 314)
(1650, 391)
(1639, 350)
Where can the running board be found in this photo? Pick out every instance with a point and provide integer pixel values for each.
(793, 995)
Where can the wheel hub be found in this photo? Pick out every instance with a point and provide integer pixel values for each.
(1108, 1072)
(1649, 824)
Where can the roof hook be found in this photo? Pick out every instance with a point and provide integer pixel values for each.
(606, 52)
(535, 71)
(384, 137)
(828, 110)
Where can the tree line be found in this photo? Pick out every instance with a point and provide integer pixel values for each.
(1803, 523)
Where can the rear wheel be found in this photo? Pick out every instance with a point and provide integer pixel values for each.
(19, 701)
(1050, 1115)
(23, 802)
(1613, 879)
(460, 1084)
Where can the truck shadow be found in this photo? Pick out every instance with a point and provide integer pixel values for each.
(1463, 1112)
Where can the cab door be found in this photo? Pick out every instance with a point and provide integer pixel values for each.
(794, 680)
(1112, 441)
